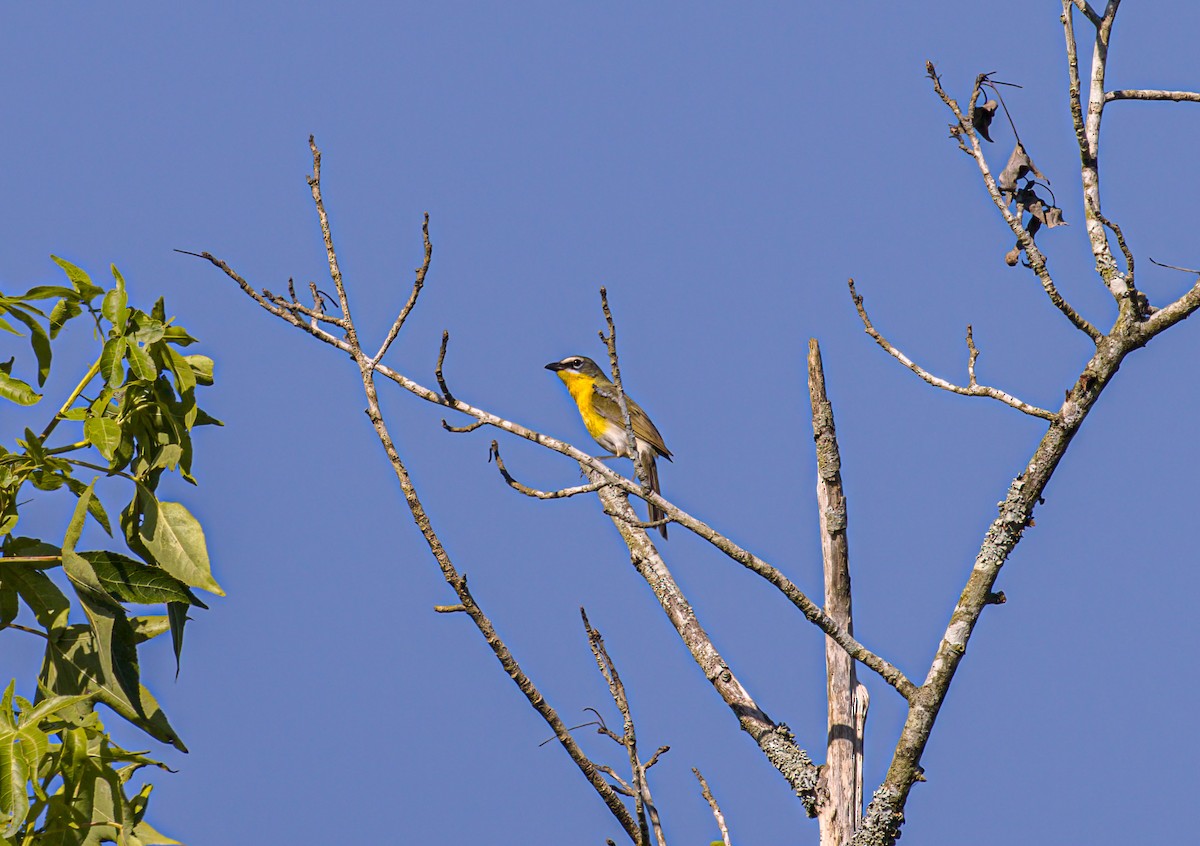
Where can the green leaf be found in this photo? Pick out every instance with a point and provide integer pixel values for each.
(104, 434)
(203, 418)
(95, 508)
(14, 772)
(50, 706)
(45, 292)
(175, 540)
(112, 359)
(43, 597)
(202, 366)
(38, 340)
(150, 836)
(145, 329)
(9, 601)
(114, 643)
(114, 636)
(79, 278)
(73, 666)
(179, 336)
(185, 377)
(64, 310)
(140, 361)
(128, 580)
(115, 308)
(148, 627)
(15, 390)
(177, 615)
(8, 327)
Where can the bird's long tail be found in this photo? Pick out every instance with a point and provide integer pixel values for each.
(652, 474)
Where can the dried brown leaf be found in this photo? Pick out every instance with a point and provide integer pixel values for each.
(1054, 217)
(982, 118)
(1019, 165)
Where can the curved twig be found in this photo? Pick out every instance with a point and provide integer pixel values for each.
(534, 492)
(972, 390)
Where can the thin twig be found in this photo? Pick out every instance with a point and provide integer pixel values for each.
(610, 341)
(658, 753)
(418, 284)
(616, 689)
(534, 492)
(470, 427)
(1173, 267)
(972, 356)
(1087, 117)
(310, 313)
(441, 380)
(26, 629)
(972, 390)
(1125, 251)
(335, 272)
(712, 803)
(640, 524)
(621, 786)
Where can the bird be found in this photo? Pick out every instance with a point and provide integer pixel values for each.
(600, 408)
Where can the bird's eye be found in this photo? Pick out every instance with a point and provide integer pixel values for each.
(577, 363)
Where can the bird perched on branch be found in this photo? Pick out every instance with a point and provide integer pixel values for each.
(600, 408)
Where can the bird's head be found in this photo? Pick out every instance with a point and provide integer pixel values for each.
(575, 366)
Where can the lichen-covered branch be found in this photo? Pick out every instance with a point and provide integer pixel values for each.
(775, 740)
(840, 797)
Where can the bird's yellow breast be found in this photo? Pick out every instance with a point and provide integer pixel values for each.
(580, 387)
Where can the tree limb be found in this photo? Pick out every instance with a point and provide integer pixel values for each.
(973, 389)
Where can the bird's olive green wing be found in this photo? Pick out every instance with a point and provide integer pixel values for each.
(604, 400)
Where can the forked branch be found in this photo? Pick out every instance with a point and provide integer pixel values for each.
(973, 388)
(968, 140)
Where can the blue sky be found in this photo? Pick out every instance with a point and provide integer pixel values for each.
(722, 169)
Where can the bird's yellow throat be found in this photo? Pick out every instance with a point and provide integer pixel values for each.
(580, 388)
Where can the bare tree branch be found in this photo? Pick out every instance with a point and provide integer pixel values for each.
(616, 688)
(1087, 121)
(885, 813)
(1037, 261)
(712, 803)
(533, 492)
(457, 581)
(610, 341)
(1152, 94)
(460, 430)
(335, 272)
(972, 390)
(441, 379)
(1088, 11)
(776, 741)
(418, 284)
(840, 810)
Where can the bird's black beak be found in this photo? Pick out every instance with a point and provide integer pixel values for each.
(555, 365)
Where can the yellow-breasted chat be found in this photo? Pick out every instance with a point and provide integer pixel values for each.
(596, 397)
